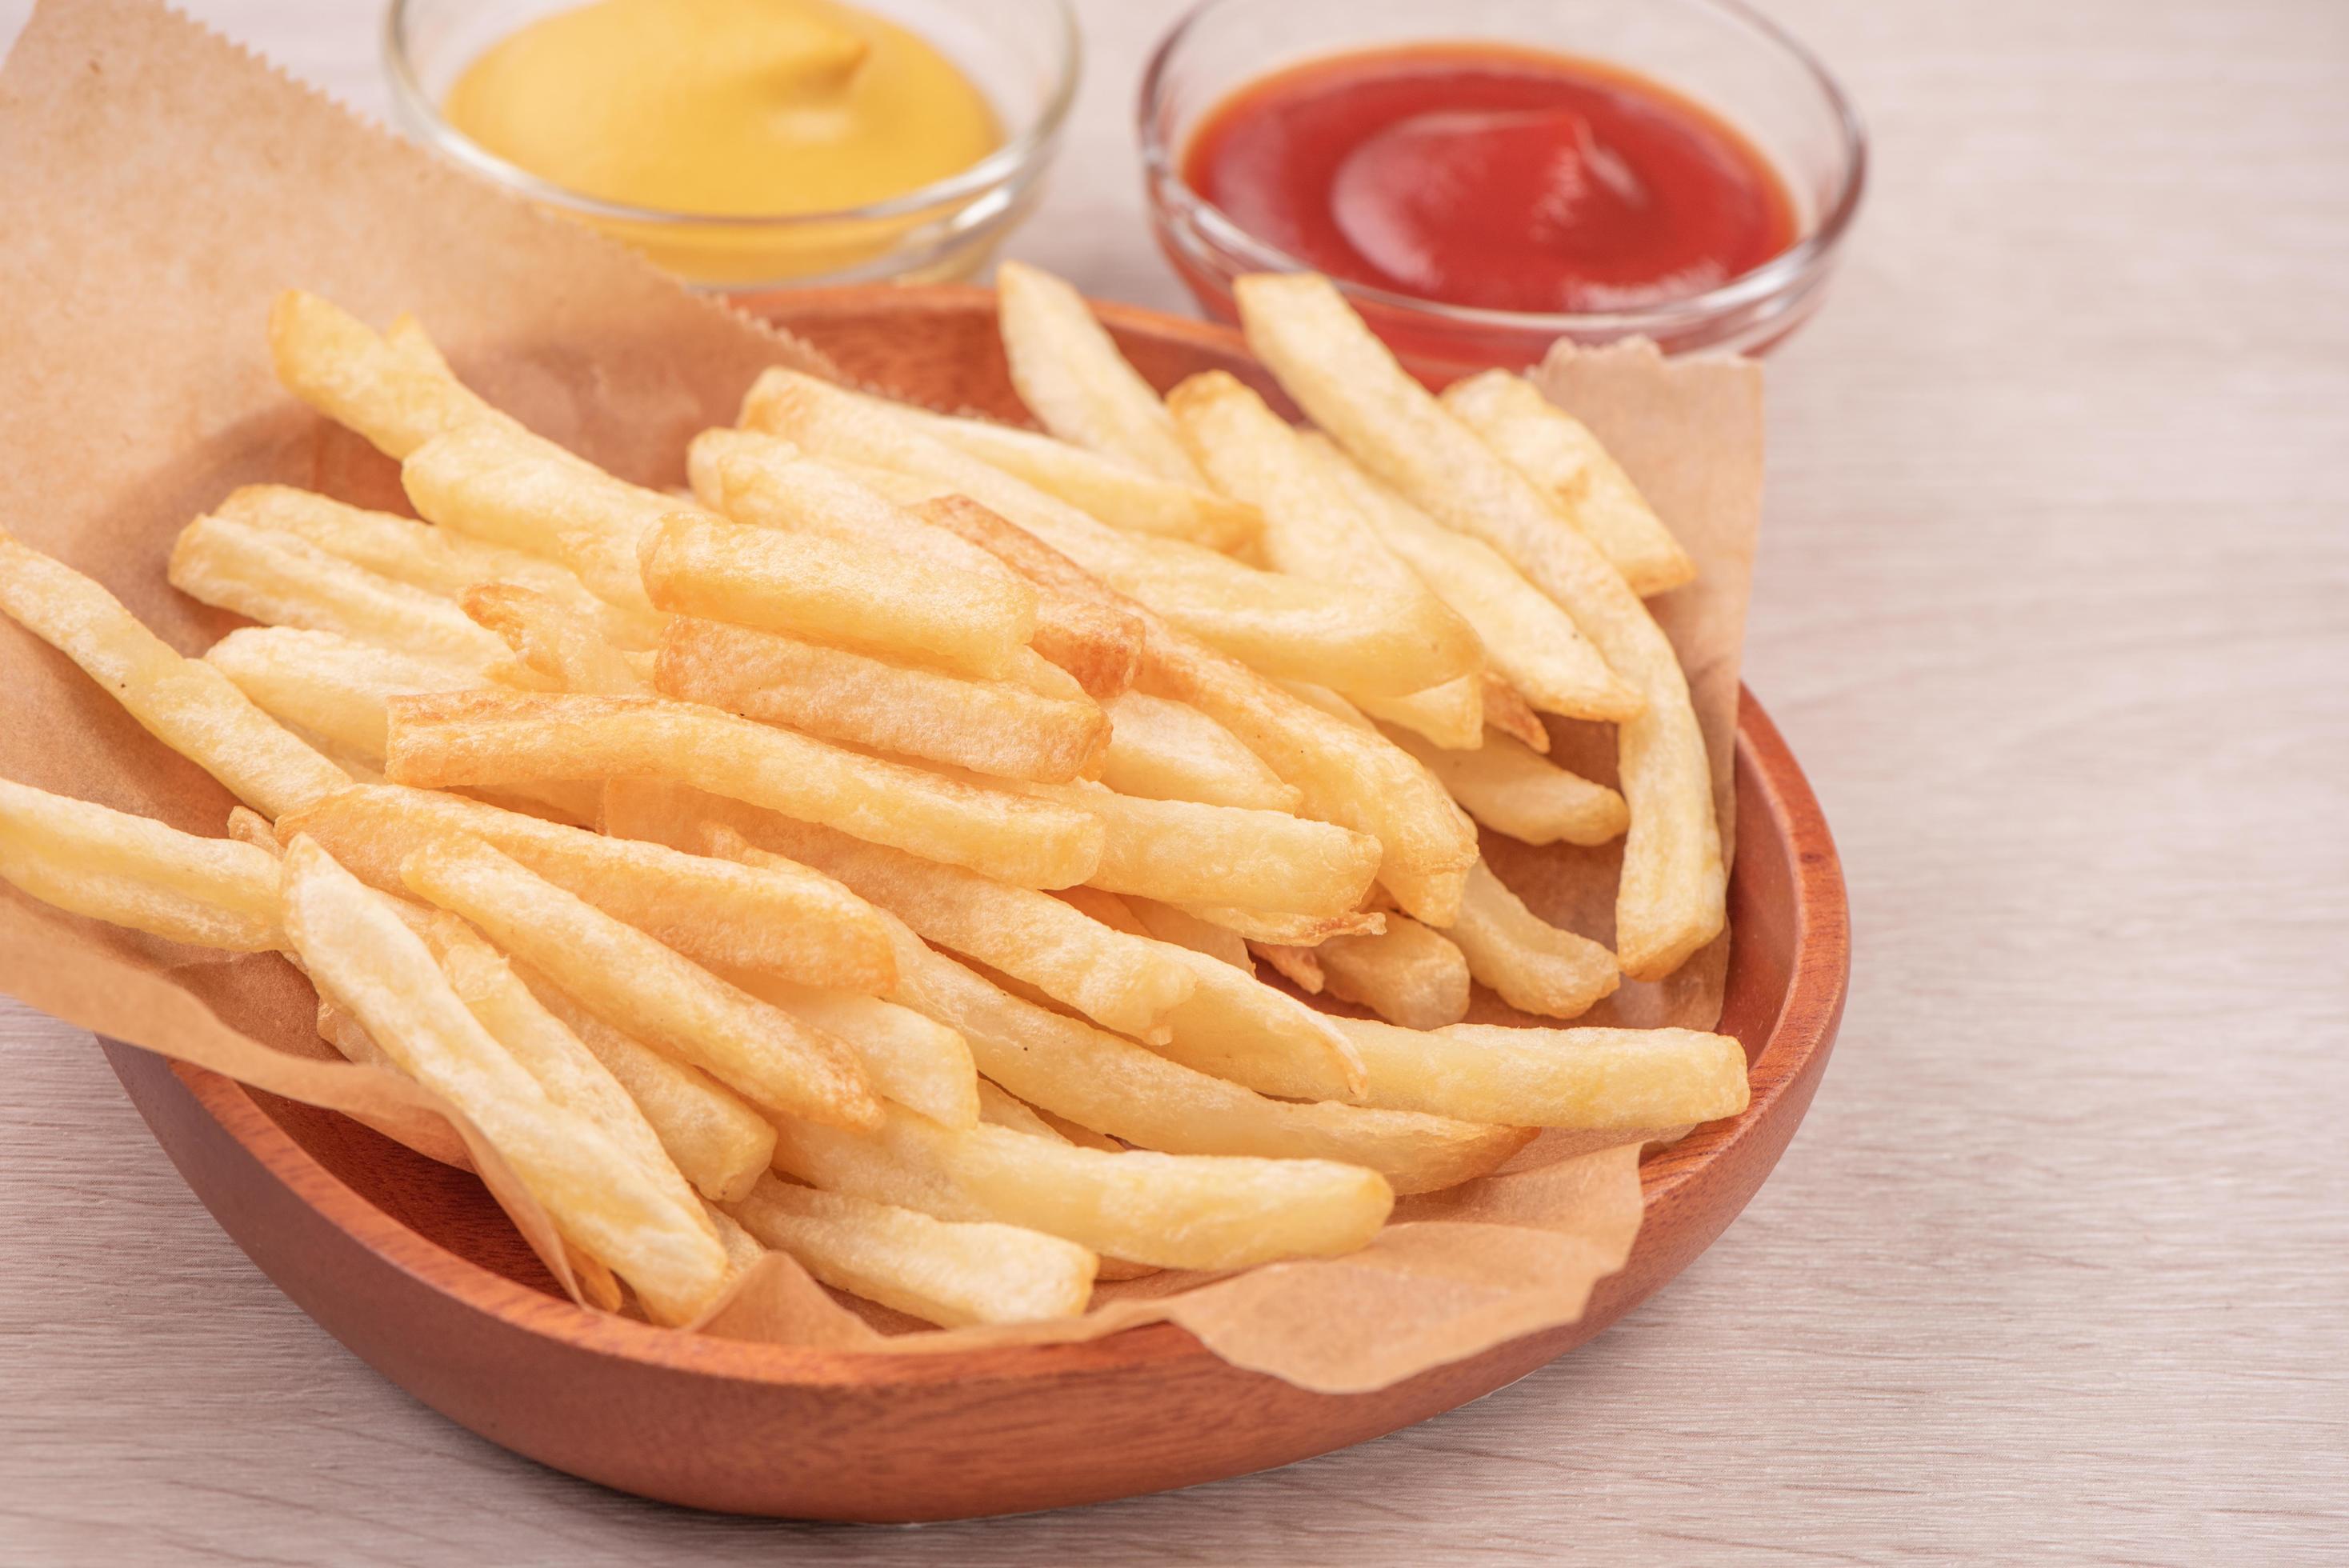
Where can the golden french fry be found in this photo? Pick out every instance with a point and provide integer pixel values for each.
(1589, 1078)
(1168, 922)
(282, 579)
(1127, 984)
(1181, 851)
(1507, 711)
(185, 703)
(1073, 379)
(1313, 530)
(1115, 491)
(945, 1272)
(721, 1140)
(1672, 897)
(1530, 798)
(494, 480)
(1068, 1067)
(247, 826)
(644, 988)
(1535, 966)
(421, 555)
(1172, 1210)
(1287, 624)
(1407, 974)
(760, 479)
(396, 395)
(782, 919)
(1228, 1025)
(135, 872)
(367, 961)
(911, 1058)
(328, 686)
(837, 590)
(554, 640)
(339, 692)
(1527, 636)
(1557, 453)
(485, 738)
(1347, 775)
(1162, 750)
(574, 1077)
(742, 1248)
(997, 728)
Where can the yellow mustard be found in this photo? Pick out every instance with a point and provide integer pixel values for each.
(743, 108)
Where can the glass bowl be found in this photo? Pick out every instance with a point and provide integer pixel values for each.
(1720, 52)
(1022, 54)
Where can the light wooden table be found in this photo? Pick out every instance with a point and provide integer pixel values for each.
(2055, 606)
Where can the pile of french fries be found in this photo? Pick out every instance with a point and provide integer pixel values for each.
(869, 858)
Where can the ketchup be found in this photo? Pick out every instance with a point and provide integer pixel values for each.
(1492, 177)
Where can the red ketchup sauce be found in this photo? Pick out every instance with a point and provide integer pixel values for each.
(1492, 177)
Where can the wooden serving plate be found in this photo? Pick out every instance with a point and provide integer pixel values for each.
(411, 1265)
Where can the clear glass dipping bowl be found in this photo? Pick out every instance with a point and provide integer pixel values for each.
(1022, 54)
(1721, 53)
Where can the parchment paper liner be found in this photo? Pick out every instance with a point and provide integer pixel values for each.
(158, 187)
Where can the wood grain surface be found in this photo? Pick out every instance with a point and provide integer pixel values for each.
(2054, 605)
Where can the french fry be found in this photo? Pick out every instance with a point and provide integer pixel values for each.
(944, 1272)
(571, 1075)
(1527, 636)
(1583, 1079)
(1115, 491)
(915, 1060)
(718, 1139)
(997, 728)
(1180, 926)
(1126, 985)
(1672, 897)
(1510, 790)
(644, 988)
(1556, 452)
(1068, 1067)
(744, 1249)
(486, 737)
(1172, 1210)
(782, 919)
(1161, 750)
(1181, 851)
(1311, 529)
(395, 394)
(1535, 966)
(339, 693)
(1407, 974)
(136, 872)
(247, 826)
(760, 479)
(364, 958)
(554, 640)
(1228, 1025)
(282, 579)
(494, 480)
(1347, 775)
(417, 554)
(837, 590)
(185, 703)
(1289, 625)
(1072, 379)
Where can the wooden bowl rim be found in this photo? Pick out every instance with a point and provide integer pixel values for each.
(1803, 1027)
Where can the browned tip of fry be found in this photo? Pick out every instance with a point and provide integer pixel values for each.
(1082, 625)
(1204, 387)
